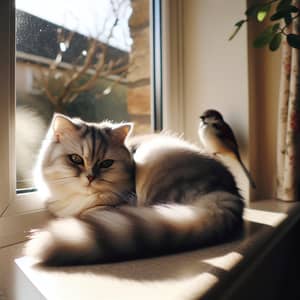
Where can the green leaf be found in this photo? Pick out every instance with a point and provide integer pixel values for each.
(275, 42)
(283, 4)
(263, 12)
(261, 15)
(293, 40)
(264, 38)
(240, 23)
(276, 26)
(286, 12)
(252, 10)
(293, 9)
(288, 19)
(238, 26)
(278, 15)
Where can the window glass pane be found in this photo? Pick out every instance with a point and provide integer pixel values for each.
(86, 59)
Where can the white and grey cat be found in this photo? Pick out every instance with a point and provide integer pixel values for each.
(120, 197)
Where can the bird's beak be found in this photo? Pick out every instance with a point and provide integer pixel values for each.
(202, 120)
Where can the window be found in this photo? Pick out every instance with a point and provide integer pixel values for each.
(89, 60)
(132, 88)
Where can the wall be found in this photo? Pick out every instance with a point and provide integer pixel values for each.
(216, 70)
(139, 89)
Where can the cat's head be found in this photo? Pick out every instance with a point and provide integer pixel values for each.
(83, 165)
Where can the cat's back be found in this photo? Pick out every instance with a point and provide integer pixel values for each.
(166, 164)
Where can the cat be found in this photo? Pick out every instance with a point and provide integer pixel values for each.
(119, 197)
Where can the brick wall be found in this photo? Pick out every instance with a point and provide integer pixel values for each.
(139, 92)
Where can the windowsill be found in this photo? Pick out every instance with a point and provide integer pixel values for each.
(212, 272)
(25, 203)
(24, 213)
(18, 227)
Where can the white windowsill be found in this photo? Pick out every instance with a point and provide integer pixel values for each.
(25, 203)
(178, 276)
(17, 228)
(24, 213)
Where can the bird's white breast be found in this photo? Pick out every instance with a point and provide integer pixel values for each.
(209, 139)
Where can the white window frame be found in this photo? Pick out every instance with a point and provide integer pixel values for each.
(9, 200)
(7, 96)
(17, 212)
(172, 65)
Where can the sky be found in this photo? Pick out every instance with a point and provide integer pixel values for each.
(88, 17)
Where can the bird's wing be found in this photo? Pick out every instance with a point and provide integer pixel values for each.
(225, 133)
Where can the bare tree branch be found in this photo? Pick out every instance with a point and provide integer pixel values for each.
(85, 69)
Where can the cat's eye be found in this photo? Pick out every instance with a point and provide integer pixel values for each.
(76, 159)
(106, 163)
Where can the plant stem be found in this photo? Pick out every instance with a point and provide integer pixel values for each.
(281, 29)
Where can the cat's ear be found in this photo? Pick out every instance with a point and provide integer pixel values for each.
(62, 125)
(121, 132)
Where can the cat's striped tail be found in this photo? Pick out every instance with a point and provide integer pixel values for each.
(129, 232)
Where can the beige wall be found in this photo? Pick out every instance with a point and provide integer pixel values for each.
(216, 70)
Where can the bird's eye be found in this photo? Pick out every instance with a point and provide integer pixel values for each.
(76, 159)
(106, 163)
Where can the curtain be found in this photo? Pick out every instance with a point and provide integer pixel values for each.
(288, 148)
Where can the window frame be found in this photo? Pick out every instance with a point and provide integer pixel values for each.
(156, 74)
(11, 203)
(7, 113)
(14, 205)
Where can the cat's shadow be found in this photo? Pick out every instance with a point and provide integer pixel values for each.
(173, 266)
(165, 267)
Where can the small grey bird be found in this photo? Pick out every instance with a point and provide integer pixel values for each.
(217, 137)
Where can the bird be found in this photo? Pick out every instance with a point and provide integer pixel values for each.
(217, 137)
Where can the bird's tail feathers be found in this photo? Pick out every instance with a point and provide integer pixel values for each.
(247, 173)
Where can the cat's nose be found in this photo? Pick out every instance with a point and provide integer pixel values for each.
(90, 178)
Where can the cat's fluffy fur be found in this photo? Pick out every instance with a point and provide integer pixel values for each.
(183, 198)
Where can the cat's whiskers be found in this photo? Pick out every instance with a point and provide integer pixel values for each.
(62, 179)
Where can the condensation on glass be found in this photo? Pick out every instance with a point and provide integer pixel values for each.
(86, 59)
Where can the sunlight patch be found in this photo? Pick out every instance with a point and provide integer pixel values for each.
(77, 282)
(177, 213)
(225, 262)
(264, 217)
